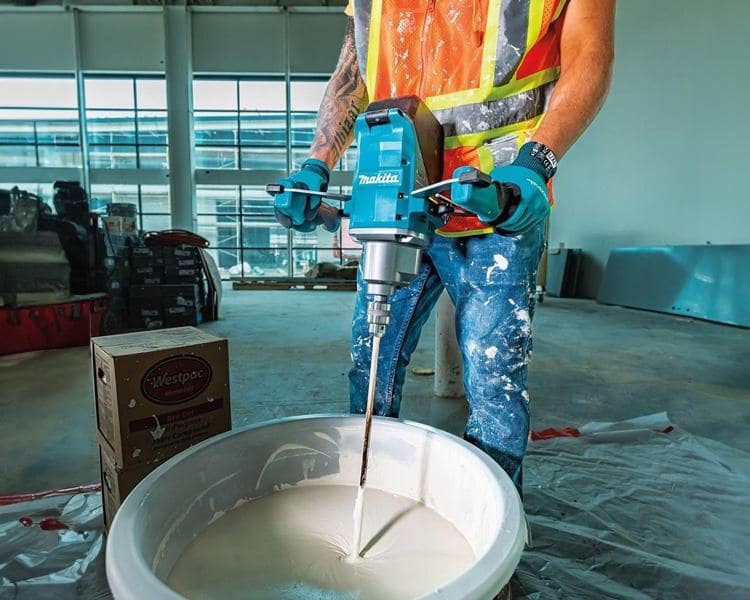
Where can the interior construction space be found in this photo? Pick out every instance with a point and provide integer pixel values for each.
(289, 317)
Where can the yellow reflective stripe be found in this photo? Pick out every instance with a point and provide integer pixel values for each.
(536, 14)
(458, 234)
(456, 98)
(373, 45)
(486, 160)
(487, 77)
(518, 86)
(559, 10)
(475, 140)
(489, 51)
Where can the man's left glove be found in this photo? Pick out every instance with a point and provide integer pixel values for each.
(300, 211)
(529, 174)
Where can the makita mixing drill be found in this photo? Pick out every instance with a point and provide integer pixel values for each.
(394, 209)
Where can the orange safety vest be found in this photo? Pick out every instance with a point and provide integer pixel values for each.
(485, 68)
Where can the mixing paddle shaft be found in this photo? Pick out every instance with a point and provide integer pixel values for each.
(359, 504)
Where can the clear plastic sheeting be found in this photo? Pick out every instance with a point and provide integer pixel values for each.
(631, 510)
(53, 548)
(636, 510)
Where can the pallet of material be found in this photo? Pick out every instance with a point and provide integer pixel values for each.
(292, 283)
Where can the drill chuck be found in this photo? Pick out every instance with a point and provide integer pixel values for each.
(378, 315)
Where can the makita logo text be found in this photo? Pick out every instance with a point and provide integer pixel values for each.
(380, 178)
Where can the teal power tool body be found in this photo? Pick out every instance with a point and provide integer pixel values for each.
(396, 202)
(394, 209)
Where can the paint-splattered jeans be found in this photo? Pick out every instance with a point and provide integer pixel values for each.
(492, 281)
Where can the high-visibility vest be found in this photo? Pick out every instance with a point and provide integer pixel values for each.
(485, 68)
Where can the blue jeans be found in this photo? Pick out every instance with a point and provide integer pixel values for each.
(492, 282)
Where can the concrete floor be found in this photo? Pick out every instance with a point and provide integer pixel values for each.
(289, 355)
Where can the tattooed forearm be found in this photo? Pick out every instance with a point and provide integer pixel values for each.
(344, 98)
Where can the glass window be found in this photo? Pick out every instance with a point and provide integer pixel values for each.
(263, 129)
(153, 157)
(212, 94)
(110, 127)
(216, 157)
(263, 158)
(112, 157)
(216, 199)
(151, 93)
(152, 127)
(246, 116)
(256, 202)
(155, 199)
(59, 156)
(109, 93)
(306, 258)
(39, 122)
(43, 190)
(151, 202)
(307, 95)
(126, 121)
(250, 132)
(155, 222)
(59, 132)
(102, 195)
(262, 95)
(212, 128)
(38, 92)
(18, 156)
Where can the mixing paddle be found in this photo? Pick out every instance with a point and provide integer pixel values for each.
(359, 504)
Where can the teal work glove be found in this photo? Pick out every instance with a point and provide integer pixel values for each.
(527, 177)
(301, 211)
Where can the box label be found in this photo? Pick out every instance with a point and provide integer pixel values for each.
(176, 379)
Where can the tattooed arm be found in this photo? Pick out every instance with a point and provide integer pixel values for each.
(344, 98)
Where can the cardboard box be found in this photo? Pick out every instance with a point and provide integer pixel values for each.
(159, 392)
(139, 261)
(146, 251)
(117, 483)
(137, 322)
(172, 253)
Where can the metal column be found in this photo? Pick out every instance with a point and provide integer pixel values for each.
(448, 364)
(81, 93)
(178, 55)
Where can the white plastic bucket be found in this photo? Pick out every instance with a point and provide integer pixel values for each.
(179, 499)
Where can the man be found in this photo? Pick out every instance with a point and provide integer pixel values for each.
(514, 83)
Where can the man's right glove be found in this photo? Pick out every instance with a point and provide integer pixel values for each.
(301, 211)
(528, 174)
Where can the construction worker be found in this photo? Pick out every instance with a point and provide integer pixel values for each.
(514, 84)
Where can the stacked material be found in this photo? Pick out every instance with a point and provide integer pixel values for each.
(157, 393)
(167, 288)
(33, 268)
(152, 287)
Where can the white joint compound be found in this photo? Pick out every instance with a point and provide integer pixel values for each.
(294, 545)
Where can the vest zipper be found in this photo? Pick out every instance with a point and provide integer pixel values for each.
(425, 28)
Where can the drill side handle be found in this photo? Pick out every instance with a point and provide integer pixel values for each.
(508, 194)
(326, 215)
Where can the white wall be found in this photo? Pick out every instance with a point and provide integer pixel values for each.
(132, 39)
(667, 160)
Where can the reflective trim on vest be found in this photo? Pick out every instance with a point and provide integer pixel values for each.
(512, 30)
(511, 43)
(485, 68)
(470, 119)
(362, 34)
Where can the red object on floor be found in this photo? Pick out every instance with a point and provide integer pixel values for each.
(548, 434)
(60, 325)
(52, 524)
(79, 489)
